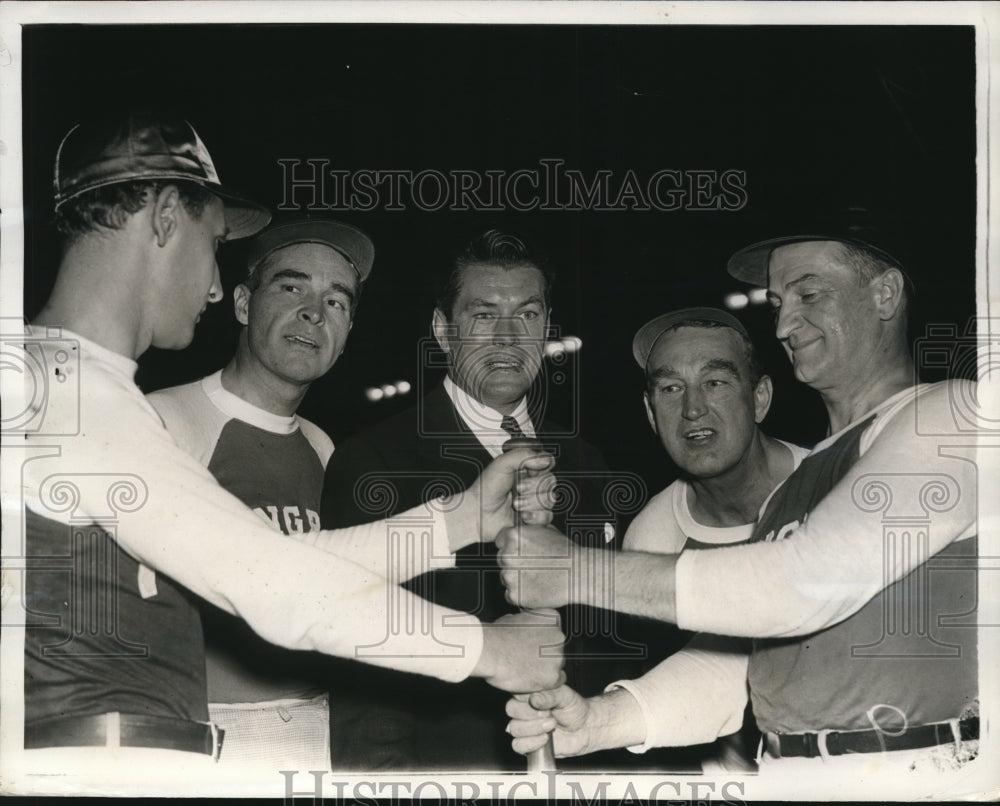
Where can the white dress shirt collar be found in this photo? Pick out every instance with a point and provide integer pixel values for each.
(483, 421)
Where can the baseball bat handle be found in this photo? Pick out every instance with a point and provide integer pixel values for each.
(544, 758)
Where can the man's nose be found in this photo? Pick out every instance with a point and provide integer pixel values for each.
(312, 312)
(508, 330)
(785, 321)
(215, 290)
(694, 403)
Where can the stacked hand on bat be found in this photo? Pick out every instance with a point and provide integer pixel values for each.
(532, 515)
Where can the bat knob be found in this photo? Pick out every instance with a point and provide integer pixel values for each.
(543, 759)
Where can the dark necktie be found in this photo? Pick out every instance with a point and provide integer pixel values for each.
(509, 424)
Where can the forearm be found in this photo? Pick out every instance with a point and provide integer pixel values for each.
(614, 719)
(399, 548)
(632, 582)
(172, 516)
(828, 567)
(695, 695)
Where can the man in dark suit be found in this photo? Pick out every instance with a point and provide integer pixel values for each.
(491, 321)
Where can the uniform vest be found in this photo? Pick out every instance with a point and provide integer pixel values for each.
(907, 657)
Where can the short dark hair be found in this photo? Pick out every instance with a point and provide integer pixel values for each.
(753, 363)
(110, 206)
(253, 280)
(494, 248)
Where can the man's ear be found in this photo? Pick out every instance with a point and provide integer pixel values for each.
(889, 293)
(241, 304)
(649, 413)
(166, 208)
(442, 329)
(762, 398)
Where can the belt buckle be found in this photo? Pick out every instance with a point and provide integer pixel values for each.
(816, 743)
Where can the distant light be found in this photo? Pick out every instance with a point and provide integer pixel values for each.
(403, 387)
(388, 390)
(554, 348)
(374, 394)
(736, 301)
(570, 344)
(758, 296)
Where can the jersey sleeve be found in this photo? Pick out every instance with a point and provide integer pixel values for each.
(376, 548)
(319, 440)
(190, 418)
(829, 567)
(655, 528)
(177, 520)
(695, 696)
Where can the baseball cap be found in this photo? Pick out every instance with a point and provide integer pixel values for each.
(854, 224)
(140, 146)
(645, 338)
(351, 242)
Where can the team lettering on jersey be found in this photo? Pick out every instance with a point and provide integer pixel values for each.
(290, 519)
(786, 530)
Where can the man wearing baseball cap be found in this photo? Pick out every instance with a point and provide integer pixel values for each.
(296, 306)
(122, 525)
(705, 398)
(861, 656)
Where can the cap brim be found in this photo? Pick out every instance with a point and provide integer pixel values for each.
(646, 337)
(750, 263)
(351, 242)
(243, 216)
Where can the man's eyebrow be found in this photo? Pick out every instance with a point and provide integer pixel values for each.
(723, 364)
(802, 278)
(290, 274)
(773, 296)
(479, 302)
(660, 373)
(343, 289)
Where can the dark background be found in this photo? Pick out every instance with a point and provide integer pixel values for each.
(880, 115)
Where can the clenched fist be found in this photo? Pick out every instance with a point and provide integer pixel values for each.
(540, 566)
(523, 652)
(577, 725)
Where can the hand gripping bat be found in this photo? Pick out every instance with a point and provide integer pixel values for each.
(544, 758)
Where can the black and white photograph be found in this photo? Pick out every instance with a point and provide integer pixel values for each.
(507, 400)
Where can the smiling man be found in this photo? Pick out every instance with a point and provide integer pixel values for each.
(491, 321)
(296, 307)
(863, 660)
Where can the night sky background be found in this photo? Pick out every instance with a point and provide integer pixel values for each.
(883, 116)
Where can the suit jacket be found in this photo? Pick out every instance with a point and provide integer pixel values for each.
(381, 719)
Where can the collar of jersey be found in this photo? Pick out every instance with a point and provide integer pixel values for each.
(237, 407)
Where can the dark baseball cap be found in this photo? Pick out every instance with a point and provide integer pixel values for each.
(351, 242)
(857, 225)
(645, 338)
(141, 146)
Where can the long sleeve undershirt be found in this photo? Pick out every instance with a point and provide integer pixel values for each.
(184, 525)
(828, 568)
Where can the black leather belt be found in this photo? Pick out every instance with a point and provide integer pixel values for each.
(124, 730)
(838, 743)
